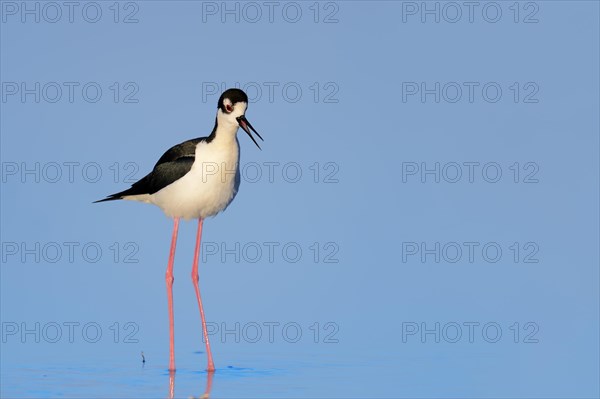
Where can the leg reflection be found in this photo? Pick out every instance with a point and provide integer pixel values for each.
(171, 384)
(209, 380)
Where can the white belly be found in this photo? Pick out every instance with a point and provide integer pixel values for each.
(208, 188)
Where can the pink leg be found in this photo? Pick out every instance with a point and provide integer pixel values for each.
(169, 278)
(211, 365)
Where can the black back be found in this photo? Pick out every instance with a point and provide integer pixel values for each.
(177, 161)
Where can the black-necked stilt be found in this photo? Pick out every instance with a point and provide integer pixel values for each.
(194, 180)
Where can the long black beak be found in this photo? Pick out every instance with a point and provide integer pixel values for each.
(244, 124)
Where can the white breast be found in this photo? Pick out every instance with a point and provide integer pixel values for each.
(209, 187)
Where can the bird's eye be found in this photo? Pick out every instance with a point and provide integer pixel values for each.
(228, 108)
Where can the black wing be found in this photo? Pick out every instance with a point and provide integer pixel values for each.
(172, 166)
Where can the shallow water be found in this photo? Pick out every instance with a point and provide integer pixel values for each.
(357, 366)
(262, 377)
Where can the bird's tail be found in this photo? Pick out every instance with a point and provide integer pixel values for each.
(109, 198)
(117, 196)
(137, 188)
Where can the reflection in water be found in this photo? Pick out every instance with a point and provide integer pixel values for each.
(209, 380)
(171, 384)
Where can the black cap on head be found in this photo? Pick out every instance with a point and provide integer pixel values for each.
(234, 95)
(237, 96)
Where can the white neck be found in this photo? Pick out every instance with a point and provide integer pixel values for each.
(227, 127)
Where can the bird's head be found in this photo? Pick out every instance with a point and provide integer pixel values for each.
(232, 112)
